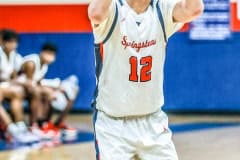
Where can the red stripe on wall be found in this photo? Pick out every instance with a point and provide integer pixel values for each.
(185, 28)
(235, 22)
(45, 18)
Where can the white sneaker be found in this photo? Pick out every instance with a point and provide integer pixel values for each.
(42, 135)
(25, 138)
(22, 127)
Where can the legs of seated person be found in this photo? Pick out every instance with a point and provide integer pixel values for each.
(40, 107)
(35, 105)
(17, 128)
(41, 102)
(7, 122)
(48, 92)
(5, 118)
(47, 97)
(60, 119)
(14, 129)
(15, 94)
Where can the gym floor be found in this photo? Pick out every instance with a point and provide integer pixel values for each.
(198, 137)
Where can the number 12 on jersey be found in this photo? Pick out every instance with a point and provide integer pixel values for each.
(145, 70)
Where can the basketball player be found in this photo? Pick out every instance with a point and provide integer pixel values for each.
(64, 94)
(130, 41)
(33, 70)
(10, 62)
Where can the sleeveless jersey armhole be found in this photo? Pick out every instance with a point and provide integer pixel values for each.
(111, 29)
(161, 20)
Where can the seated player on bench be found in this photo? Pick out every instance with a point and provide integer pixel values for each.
(33, 70)
(10, 63)
(64, 94)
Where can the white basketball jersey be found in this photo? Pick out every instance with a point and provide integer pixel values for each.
(40, 70)
(133, 55)
(9, 64)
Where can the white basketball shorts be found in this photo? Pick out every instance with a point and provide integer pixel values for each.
(133, 138)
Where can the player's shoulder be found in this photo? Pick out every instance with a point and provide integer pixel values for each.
(161, 4)
(164, 3)
(19, 57)
(1, 50)
(31, 56)
(34, 57)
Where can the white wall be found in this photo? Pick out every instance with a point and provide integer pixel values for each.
(24, 2)
(238, 9)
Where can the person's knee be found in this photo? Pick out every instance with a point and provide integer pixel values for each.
(36, 92)
(17, 92)
(69, 105)
(47, 91)
(1, 97)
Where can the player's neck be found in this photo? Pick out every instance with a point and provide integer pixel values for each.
(41, 61)
(7, 53)
(139, 6)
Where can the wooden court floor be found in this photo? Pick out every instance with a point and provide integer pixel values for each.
(209, 144)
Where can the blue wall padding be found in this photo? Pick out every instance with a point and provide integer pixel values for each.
(202, 76)
(199, 76)
(75, 56)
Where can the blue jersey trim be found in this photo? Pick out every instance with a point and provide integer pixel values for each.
(121, 2)
(112, 27)
(96, 142)
(160, 16)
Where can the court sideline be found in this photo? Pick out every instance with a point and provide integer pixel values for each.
(214, 138)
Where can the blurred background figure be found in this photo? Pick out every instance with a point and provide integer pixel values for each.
(10, 63)
(63, 96)
(33, 70)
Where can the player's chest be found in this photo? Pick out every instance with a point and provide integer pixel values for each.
(139, 34)
(7, 62)
(141, 27)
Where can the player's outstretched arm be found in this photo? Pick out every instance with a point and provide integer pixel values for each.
(187, 10)
(98, 10)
